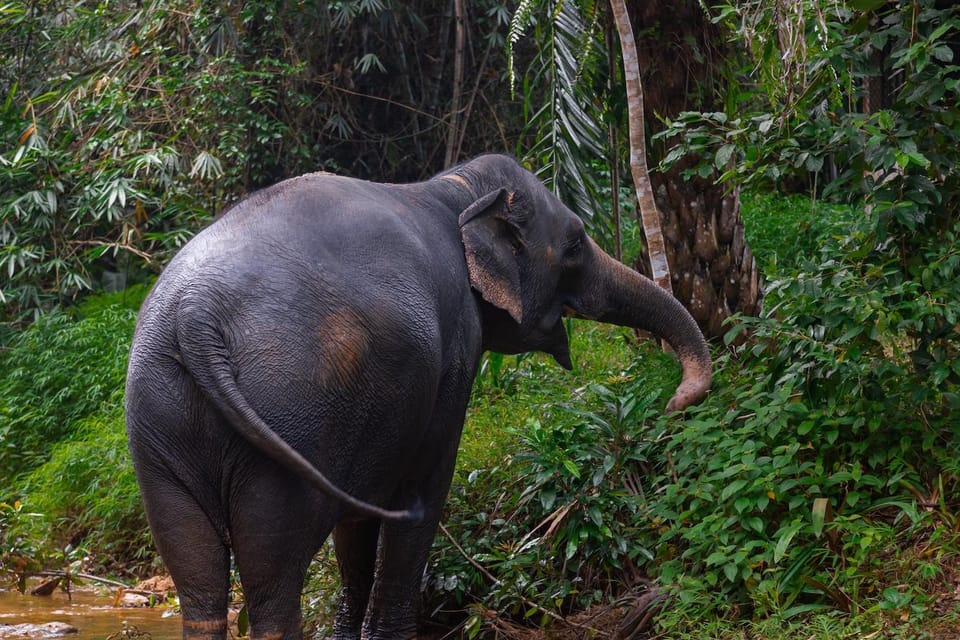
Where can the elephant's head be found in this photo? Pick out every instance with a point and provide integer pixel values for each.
(531, 261)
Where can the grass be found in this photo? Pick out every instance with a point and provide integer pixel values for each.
(783, 229)
(88, 495)
(63, 445)
(61, 370)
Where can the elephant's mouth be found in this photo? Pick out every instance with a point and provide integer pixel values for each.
(557, 344)
(504, 335)
(562, 356)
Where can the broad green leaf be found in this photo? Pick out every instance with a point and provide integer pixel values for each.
(783, 542)
(730, 571)
(724, 153)
(821, 514)
(734, 487)
(571, 466)
(595, 515)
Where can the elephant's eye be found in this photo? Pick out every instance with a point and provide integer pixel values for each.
(573, 248)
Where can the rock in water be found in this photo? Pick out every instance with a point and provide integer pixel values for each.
(157, 584)
(46, 587)
(46, 630)
(130, 600)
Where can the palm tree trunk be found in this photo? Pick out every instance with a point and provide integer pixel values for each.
(715, 274)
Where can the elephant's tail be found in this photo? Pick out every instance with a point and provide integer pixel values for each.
(204, 353)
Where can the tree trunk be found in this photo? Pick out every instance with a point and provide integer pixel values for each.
(714, 274)
(613, 145)
(453, 131)
(647, 206)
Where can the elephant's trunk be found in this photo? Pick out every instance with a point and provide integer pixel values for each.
(616, 294)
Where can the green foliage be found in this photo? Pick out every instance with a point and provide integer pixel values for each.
(560, 520)
(869, 110)
(839, 430)
(820, 626)
(582, 476)
(499, 372)
(88, 495)
(321, 594)
(565, 131)
(96, 180)
(63, 449)
(820, 454)
(18, 550)
(125, 126)
(59, 371)
(785, 230)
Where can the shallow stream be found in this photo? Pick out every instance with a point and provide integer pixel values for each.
(91, 612)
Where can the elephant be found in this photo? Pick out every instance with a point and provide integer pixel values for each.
(303, 367)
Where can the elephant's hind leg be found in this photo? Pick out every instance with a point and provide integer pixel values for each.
(197, 558)
(277, 526)
(355, 543)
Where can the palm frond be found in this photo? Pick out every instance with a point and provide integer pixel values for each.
(522, 18)
(568, 135)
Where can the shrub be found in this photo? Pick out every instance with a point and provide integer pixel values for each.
(809, 462)
(63, 451)
(560, 522)
(58, 372)
(88, 496)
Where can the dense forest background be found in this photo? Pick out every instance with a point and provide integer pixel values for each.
(803, 160)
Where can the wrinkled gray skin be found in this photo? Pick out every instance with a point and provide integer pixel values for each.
(304, 364)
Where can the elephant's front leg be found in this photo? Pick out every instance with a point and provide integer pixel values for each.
(393, 605)
(404, 547)
(355, 543)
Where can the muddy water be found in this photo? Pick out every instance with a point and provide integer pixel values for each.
(92, 613)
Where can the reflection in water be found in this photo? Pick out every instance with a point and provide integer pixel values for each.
(94, 615)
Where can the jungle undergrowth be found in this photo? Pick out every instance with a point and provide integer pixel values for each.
(815, 486)
(67, 488)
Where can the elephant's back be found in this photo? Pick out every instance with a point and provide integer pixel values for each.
(344, 230)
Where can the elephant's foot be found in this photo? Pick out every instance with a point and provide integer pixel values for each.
(214, 629)
(395, 620)
(348, 624)
(402, 633)
(352, 624)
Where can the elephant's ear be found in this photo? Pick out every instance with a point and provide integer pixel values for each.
(492, 240)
